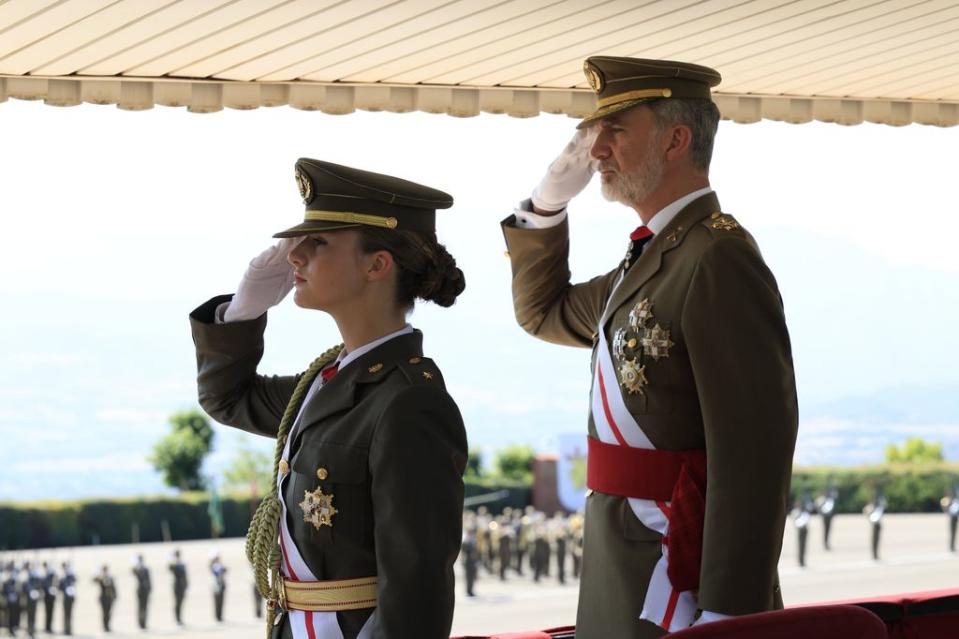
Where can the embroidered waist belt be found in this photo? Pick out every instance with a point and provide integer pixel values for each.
(676, 476)
(328, 596)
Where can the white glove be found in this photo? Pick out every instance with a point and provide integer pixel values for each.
(569, 173)
(266, 282)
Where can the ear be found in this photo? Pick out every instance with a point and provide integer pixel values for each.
(679, 137)
(379, 266)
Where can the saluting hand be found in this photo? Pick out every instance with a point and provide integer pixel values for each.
(268, 279)
(569, 173)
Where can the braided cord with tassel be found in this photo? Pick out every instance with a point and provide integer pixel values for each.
(262, 549)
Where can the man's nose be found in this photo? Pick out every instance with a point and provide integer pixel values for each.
(600, 149)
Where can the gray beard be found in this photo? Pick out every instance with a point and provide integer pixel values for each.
(629, 188)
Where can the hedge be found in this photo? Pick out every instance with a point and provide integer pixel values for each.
(908, 488)
(53, 524)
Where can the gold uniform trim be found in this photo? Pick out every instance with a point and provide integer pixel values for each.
(352, 218)
(634, 95)
(328, 596)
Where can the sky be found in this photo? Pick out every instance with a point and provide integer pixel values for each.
(114, 225)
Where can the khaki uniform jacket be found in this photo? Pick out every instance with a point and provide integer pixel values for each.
(726, 386)
(394, 447)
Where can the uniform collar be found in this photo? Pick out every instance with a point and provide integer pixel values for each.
(344, 360)
(665, 215)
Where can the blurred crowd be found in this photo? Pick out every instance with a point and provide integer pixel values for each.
(520, 544)
(31, 592)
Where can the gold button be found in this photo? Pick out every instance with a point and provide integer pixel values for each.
(415, 360)
(284, 467)
(631, 343)
(376, 368)
(505, 253)
(427, 375)
(321, 474)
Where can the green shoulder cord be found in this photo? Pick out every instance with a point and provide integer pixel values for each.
(262, 549)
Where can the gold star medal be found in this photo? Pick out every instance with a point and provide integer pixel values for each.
(633, 377)
(656, 342)
(318, 508)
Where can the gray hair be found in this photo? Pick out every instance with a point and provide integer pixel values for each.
(702, 118)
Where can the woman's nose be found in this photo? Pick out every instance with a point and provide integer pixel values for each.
(295, 256)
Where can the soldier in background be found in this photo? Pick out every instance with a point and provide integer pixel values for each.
(3, 599)
(483, 540)
(560, 534)
(576, 540)
(142, 574)
(801, 514)
(68, 586)
(108, 595)
(11, 595)
(874, 510)
(470, 557)
(32, 591)
(826, 506)
(49, 596)
(950, 506)
(521, 524)
(540, 552)
(218, 570)
(504, 542)
(178, 568)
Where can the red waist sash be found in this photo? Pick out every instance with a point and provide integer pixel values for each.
(676, 476)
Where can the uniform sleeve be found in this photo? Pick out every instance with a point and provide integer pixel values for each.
(417, 460)
(739, 348)
(229, 389)
(546, 304)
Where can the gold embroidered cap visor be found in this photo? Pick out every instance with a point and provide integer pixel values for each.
(339, 197)
(622, 83)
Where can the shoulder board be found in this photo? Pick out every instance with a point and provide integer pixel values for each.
(421, 370)
(721, 223)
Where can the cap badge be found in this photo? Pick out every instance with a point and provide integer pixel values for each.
(318, 508)
(594, 77)
(304, 185)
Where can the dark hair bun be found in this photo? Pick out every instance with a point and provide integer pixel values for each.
(444, 281)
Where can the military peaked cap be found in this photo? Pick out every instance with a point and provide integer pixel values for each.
(622, 83)
(338, 197)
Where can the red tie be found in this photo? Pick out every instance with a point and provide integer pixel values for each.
(328, 372)
(641, 233)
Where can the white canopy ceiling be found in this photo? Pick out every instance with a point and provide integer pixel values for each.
(847, 61)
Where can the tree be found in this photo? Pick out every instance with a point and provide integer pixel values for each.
(179, 455)
(915, 450)
(515, 463)
(474, 464)
(250, 471)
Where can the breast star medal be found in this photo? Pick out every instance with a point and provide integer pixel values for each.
(633, 377)
(318, 508)
(640, 314)
(656, 342)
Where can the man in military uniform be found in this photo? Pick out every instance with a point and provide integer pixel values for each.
(108, 595)
(874, 511)
(469, 556)
(950, 506)
(218, 572)
(49, 595)
(180, 583)
(142, 574)
(11, 595)
(801, 513)
(68, 587)
(826, 507)
(691, 362)
(32, 592)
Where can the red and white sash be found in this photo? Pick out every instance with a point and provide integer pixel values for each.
(305, 624)
(614, 424)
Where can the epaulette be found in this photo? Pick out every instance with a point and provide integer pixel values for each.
(721, 222)
(421, 370)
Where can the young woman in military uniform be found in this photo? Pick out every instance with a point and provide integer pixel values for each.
(368, 494)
